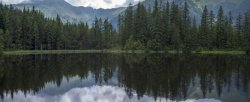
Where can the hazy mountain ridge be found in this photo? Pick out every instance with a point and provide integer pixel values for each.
(87, 14)
(68, 12)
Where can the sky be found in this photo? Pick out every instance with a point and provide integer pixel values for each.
(106, 4)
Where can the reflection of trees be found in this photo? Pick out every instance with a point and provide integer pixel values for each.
(173, 76)
(155, 75)
(32, 72)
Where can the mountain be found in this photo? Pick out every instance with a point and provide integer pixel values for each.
(70, 13)
(196, 6)
(87, 14)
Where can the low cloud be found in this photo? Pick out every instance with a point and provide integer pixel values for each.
(106, 4)
(13, 1)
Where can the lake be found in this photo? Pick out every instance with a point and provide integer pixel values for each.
(124, 78)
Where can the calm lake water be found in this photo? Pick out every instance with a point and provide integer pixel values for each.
(124, 78)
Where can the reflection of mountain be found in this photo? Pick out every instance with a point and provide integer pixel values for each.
(172, 77)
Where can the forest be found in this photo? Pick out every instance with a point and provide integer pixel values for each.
(163, 27)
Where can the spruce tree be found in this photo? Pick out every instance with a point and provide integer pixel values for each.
(186, 28)
(247, 32)
(128, 22)
(157, 30)
(1, 40)
(230, 32)
(204, 29)
(175, 27)
(212, 31)
(140, 24)
(221, 36)
(166, 25)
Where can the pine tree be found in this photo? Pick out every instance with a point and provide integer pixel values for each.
(185, 31)
(239, 31)
(212, 31)
(175, 27)
(128, 22)
(2, 40)
(247, 32)
(166, 25)
(107, 34)
(58, 33)
(157, 30)
(194, 35)
(204, 29)
(2, 20)
(140, 24)
(229, 31)
(221, 36)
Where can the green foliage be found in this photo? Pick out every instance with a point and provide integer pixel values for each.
(29, 29)
(154, 45)
(170, 26)
(1, 40)
(131, 44)
(247, 32)
(221, 35)
(164, 26)
(204, 29)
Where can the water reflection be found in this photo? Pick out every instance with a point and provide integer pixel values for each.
(136, 76)
(93, 94)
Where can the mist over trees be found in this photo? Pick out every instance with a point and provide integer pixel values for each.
(165, 26)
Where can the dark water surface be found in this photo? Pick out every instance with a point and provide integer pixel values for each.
(124, 78)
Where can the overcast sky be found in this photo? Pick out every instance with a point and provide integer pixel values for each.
(89, 3)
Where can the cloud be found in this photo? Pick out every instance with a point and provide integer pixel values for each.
(13, 1)
(91, 94)
(106, 4)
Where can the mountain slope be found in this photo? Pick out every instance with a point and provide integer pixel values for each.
(68, 12)
(196, 6)
(87, 14)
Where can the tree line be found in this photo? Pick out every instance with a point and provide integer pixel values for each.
(167, 26)
(170, 27)
(29, 29)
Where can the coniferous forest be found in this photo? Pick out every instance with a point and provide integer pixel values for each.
(162, 27)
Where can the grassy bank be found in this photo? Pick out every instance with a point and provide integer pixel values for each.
(26, 52)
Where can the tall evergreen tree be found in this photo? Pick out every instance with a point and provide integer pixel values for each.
(128, 24)
(212, 30)
(157, 32)
(231, 43)
(1, 40)
(185, 29)
(175, 27)
(194, 35)
(239, 31)
(204, 29)
(221, 36)
(166, 25)
(247, 32)
(140, 24)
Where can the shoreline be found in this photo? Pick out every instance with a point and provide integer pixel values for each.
(28, 52)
